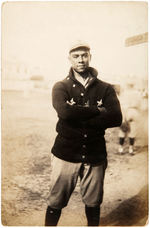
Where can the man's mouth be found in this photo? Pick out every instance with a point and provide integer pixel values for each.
(82, 65)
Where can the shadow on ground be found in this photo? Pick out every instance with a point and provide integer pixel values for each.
(131, 212)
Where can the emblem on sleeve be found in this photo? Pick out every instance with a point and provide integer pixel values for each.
(71, 102)
(99, 103)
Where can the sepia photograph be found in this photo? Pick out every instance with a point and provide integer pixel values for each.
(74, 113)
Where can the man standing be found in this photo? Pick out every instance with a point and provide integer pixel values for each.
(131, 109)
(86, 107)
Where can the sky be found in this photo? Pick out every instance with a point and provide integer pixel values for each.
(40, 34)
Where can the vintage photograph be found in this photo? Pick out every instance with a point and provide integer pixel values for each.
(74, 113)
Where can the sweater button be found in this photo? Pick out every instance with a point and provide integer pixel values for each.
(83, 156)
(85, 135)
(74, 85)
(82, 94)
(84, 146)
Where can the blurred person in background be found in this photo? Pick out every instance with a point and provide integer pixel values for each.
(86, 107)
(130, 100)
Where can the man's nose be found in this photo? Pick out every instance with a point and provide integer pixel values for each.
(80, 58)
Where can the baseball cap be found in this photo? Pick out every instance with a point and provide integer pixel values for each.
(78, 44)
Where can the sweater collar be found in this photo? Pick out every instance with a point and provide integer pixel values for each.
(91, 71)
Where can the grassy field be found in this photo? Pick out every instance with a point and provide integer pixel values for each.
(28, 133)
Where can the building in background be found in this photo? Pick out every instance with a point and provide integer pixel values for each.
(137, 47)
(17, 75)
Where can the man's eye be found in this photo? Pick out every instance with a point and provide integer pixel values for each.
(85, 55)
(75, 56)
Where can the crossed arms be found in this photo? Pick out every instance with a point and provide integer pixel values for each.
(91, 116)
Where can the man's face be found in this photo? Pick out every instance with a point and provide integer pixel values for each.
(80, 59)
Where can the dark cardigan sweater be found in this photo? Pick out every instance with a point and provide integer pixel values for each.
(80, 128)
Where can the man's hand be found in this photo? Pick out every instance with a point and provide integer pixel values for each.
(125, 127)
(102, 109)
(87, 104)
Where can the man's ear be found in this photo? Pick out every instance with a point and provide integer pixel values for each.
(69, 57)
(90, 57)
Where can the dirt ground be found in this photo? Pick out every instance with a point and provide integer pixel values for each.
(28, 133)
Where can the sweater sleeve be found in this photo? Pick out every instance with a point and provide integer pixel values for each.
(66, 111)
(112, 116)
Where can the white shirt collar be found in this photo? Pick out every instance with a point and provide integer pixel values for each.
(83, 81)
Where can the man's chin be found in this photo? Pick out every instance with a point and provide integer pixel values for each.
(81, 70)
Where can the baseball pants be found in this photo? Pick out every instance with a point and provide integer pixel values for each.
(64, 178)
